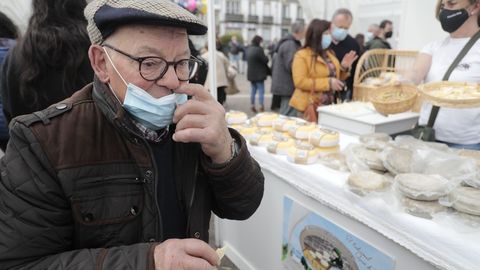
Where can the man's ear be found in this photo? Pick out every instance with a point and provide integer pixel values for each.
(96, 54)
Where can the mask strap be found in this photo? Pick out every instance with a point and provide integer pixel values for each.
(113, 92)
(114, 67)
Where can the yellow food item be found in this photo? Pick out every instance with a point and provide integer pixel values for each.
(236, 117)
(261, 137)
(302, 153)
(280, 144)
(322, 137)
(221, 252)
(302, 130)
(393, 96)
(265, 119)
(283, 123)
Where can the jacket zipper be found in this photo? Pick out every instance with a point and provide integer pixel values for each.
(155, 170)
(192, 197)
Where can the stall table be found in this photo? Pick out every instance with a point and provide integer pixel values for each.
(413, 242)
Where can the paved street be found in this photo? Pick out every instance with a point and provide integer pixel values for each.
(241, 101)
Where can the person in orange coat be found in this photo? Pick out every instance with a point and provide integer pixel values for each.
(316, 68)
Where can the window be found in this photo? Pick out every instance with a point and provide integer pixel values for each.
(285, 11)
(233, 6)
(267, 9)
(252, 8)
(299, 12)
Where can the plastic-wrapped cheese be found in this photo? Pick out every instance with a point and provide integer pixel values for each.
(265, 119)
(261, 137)
(283, 123)
(466, 200)
(246, 130)
(302, 153)
(375, 141)
(422, 187)
(302, 130)
(367, 181)
(322, 137)
(236, 117)
(280, 144)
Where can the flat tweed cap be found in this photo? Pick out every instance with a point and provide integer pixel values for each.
(104, 16)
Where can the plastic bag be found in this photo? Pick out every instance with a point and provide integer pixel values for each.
(423, 187)
(359, 158)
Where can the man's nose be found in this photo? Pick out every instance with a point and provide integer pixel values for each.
(170, 79)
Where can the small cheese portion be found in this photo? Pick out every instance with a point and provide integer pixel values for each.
(466, 200)
(422, 187)
(261, 137)
(302, 153)
(221, 252)
(265, 119)
(367, 181)
(302, 130)
(283, 123)
(281, 144)
(236, 117)
(322, 137)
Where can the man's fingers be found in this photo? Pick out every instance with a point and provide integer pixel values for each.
(200, 249)
(190, 135)
(190, 107)
(196, 91)
(194, 263)
(192, 121)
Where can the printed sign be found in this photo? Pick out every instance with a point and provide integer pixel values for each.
(310, 242)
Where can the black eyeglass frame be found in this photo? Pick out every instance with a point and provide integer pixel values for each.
(168, 64)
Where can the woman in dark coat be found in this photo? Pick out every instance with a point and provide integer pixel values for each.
(257, 72)
(50, 62)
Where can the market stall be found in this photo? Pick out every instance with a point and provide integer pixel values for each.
(329, 221)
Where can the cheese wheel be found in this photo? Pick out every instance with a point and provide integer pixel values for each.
(371, 158)
(323, 151)
(302, 153)
(236, 117)
(424, 209)
(247, 130)
(322, 137)
(375, 141)
(366, 181)
(302, 130)
(398, 160)
(261, 137)
(280, 144)
(422, 187)
(466, 200)
(283, 123)
(265, 119)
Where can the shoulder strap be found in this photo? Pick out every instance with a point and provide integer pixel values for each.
(463, 52)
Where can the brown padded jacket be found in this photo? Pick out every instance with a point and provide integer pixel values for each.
(77, 188)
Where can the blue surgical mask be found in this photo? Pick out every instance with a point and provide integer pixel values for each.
(326, 41)
(153, 113)
(339, 34)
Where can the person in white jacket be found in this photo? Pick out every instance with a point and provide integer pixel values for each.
(223, 64)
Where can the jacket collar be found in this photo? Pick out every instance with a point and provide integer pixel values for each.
(112, 108)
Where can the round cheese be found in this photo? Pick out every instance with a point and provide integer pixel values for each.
(265, 119)
(422, 187)
(302, 153)
(371, 158)
(261, 137)
(281, 144)
(398, 160)
(367, 181)
(302, 130)
(246, 130)
(375, 141)
(466, 200)
(322, 137)
(424, 209)
(236, 117)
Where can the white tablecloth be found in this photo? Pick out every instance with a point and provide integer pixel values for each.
(441, 243)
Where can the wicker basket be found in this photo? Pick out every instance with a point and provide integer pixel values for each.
(405, 94)
(378, 61)
(460, 102)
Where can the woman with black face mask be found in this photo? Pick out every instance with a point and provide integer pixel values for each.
(459, 128)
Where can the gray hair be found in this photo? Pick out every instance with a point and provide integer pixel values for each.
(297, 27)
(342, 11)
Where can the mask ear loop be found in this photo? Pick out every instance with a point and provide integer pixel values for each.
(116, 70)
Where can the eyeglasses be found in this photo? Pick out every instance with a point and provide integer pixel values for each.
(153, 68)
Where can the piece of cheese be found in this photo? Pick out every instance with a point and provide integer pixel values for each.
(302, 153)
(236, 117)
(366, 181)
(221, 252)
(302, 130)
(280, 144)
(422, 187)
(265, 119)
(322, 137)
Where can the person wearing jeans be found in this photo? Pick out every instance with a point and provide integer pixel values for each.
(260, 88)
(257, 71)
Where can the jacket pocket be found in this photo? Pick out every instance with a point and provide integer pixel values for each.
(106, 211)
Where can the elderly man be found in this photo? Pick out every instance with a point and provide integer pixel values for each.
(282, 81)
(343, 43)
(125, 173)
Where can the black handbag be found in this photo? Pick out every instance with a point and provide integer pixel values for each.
(427, 133)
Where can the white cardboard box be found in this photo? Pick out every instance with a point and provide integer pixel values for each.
(361, 118)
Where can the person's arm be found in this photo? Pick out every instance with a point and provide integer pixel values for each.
(288, 50)
(37, 227)
(420, 68)
(302, 80)
(238, 185)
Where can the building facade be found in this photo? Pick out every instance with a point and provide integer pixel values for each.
(270, 19)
